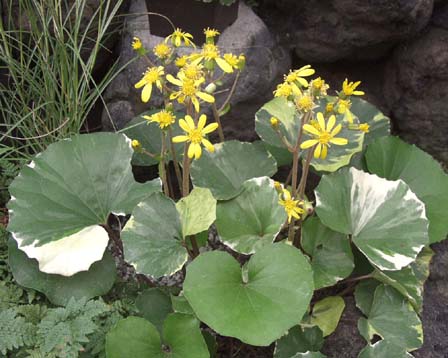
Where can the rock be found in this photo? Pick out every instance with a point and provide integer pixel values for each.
(330, 30)
(266, 62)
(416, 89)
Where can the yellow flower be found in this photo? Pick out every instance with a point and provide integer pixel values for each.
(210, 54)
(136, 145)
(292, 207)
(278, 186)
(349, 88)
(153, 75)
(136, 44)
(196, 135)
(344, 105)
(178, 36)
(329, 107)
(323, 136)
(305, 103)
(297, 75)
(163, 118)
(162, 50)
(274, 122)
(285, 90)
(319, 87)
(192, 71)
(181, 61)
(210, 33)
(364, 127)
(189, 89)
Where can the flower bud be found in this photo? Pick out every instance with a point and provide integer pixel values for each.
(274, 122)
(211, 88)
(136, 145)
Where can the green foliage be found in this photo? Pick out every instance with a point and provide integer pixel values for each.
(327, 313)
(299, 340)
(15, 332)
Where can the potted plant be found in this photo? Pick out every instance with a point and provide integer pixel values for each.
(217, 14)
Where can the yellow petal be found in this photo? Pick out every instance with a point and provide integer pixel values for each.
(339, 141)
(310, 129)
(359, 93)
(202, 121)
(331, 122)
(224, 65)
(317, 151)
(195, 102)
(183, 124)
(191, 150)
(323, 154)
(197, 151)
(286, 194)
(210, 128)
(336, 130)
(190, 122)
(146, 93)
(308, 143)
(303, 82)
(209, 146)
(321, 121)
(140, 83)
(173, 80)
(306, 72)
(205, 97)
(174, 95)
(180, 138)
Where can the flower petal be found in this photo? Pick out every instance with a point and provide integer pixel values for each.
(191, 150)
(205, 97)
(197, 151)
(224, 65)
(190, 122)
(209, 146)
(336, 130)
(140, 83)
(195, 102)
(310, 129)
(323, 154)
(202, 121)
(339, 141)
(180, 138)
(302, 81)
(317, 151)
(321, 121)
(183, 124)
(309, 143)
(331, 122)
(146, 93)
(173, 80)
(210, 128)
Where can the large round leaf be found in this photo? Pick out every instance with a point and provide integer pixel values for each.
(197, 211)
(58, 200)
(252, 219)
(152, 238)
(393, 159)
(232, 163)
(299, 340)
(150, 137)
(392, 318)
(154, 305)
(256, 304)
(286, 113)
(384, 349)
(97, 281)
(327, 313)
(385, 218)
(331, 255)
(134, 337)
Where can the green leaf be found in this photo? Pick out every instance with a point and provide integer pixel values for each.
(385, 218)
(331, 255)
(393, 159)
(97, 281)
(282, 155)
(327, 313)
(256, 304)
(152, 238)
(384, 349)
(150, 136)
(181, 305)
(392, 318)
(154, 305)
(410, 280)
(232, 163)
(364, 295)
(379, 126)
(251, 220)
(133, 337)
(299, 340)
(197, 211)
(137, 338)
(309, 355)
(61, 197)
(286, 113)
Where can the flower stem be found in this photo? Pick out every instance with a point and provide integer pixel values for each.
(232, 90)
(186, 172)
(162, 168)
(218, 120)
(174, 157)
(194, 245)
(305, 172)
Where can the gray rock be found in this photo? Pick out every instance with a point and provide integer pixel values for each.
(266, 62)
(416, 89)
(330, 30)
